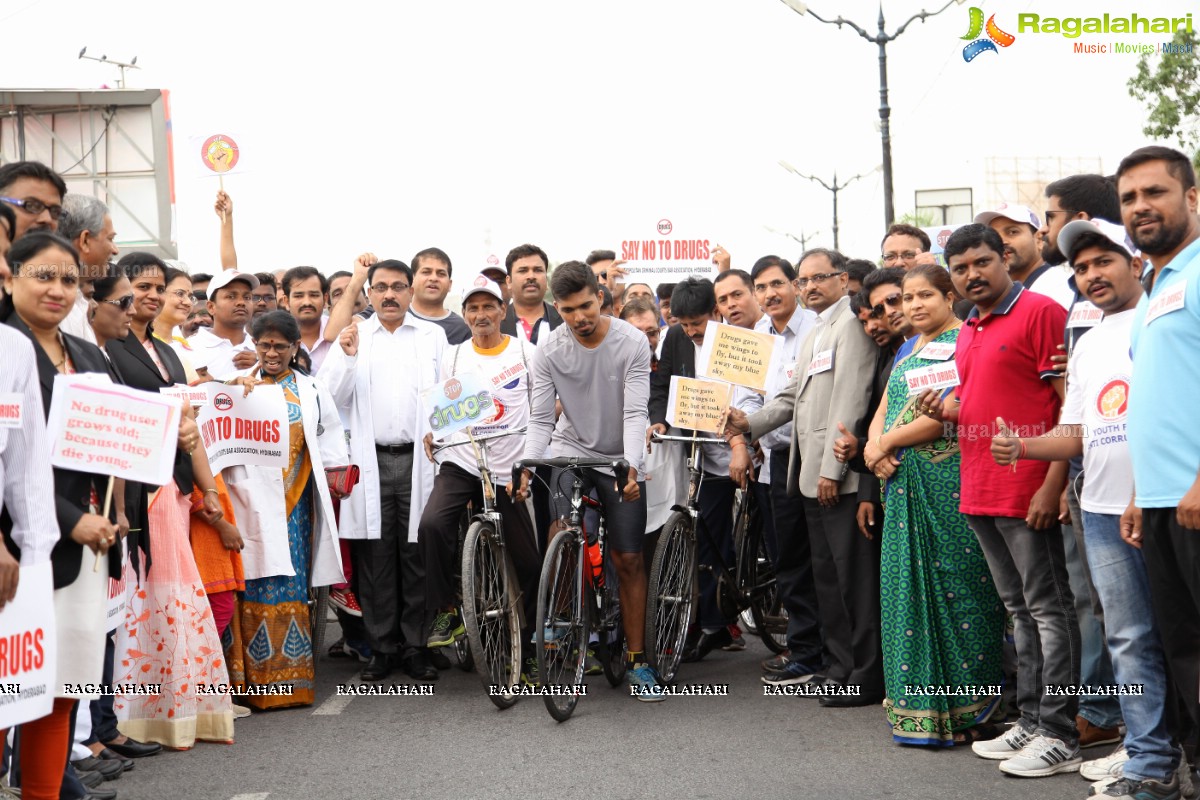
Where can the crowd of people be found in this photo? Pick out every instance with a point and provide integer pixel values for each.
(980, 518)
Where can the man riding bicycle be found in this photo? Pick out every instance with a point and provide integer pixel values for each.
(598, 368)
(505, 362)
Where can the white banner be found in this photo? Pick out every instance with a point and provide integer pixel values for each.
(104, 428)
(28, 646)
(238, 431)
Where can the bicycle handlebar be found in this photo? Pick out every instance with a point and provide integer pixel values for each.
(440, 446)
(662, 437)
(620, 467)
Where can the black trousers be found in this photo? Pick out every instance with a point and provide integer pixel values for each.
(716, 515)
(1172, 555)
(453, 488)
(794, 567)
(389, 571)
(845, 565)
(104, 718)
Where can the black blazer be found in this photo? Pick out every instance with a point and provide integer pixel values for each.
(140, 372)
(509, 325)
(678, 358)
(72, 490)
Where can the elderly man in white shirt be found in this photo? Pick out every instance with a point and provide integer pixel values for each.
(376, 375)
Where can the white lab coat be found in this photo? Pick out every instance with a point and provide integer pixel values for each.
(257, 494)
(349, 379)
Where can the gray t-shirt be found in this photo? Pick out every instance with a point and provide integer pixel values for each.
(605, 394)
(456, 328)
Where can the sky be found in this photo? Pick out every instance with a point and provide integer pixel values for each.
(476, 126)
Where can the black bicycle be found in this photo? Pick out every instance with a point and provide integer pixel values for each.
(575, 596)
(674, 572)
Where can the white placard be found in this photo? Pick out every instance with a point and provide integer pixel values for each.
(937, 376)
(28, 648)
(239, 431)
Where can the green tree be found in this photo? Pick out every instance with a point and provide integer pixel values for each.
(924, 219)
(1168, 84)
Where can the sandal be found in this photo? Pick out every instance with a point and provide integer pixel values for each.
(977, 733)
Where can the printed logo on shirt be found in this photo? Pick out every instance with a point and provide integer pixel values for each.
(499, 411)
(1112, 401)
(1171, 300)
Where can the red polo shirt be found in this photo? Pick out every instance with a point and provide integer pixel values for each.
(1004, 366)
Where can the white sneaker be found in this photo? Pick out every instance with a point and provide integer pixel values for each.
(1109, 766)
(1041, 757)
(1097, 788)
(1006, 745)
(240, 712)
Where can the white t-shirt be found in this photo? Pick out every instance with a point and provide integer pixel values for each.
(508, 368)
(1098, 379)
(1053, 283)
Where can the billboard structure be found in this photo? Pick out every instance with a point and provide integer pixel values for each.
(112, 144)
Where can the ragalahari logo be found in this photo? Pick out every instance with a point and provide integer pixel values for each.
(995, 36)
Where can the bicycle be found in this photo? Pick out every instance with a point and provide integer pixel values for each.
(575, 596)
(674, 572)
(491, 596)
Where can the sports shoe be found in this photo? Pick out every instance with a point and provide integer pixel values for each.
(529, 674)
(645, 684)
(1107, 767)
(1006, 745)
(1129, 789)
(1097, 788)
(240, 712)
(446, 628)
(1043, 756)
(346, 601)
(790, 673)
(738, 642)
(591, 664)
(776, 662)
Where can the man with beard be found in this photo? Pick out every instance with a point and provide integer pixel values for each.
(432, 273)
(305, 290)
(1157, 190)
(529, 315)
(696, 306)
(506, 363)
(1093, 425)
(599, 369)
(87, 224)
(1004, 356)
(1018, 227)
(225, 350)
(1083, 197)
(35, 194)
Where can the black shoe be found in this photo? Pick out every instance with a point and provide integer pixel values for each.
(439, 659)
(690, 642)
(109, 755)
(418, 666)
(88, 778)
(109, 770)
(134, 749)
(850, 700)
(378, 668)
(776, 663)
(101, 794)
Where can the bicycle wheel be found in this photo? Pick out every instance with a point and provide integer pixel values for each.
(318, 614)
(671, 593)
(756, 579)
(489, 614)
(612, 634)
(562, 625)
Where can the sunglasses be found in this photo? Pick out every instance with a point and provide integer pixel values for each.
(31, 205)
(123, 303)
(892, 301)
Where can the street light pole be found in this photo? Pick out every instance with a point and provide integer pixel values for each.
(834, 188)
(881, 39)
(803, 238)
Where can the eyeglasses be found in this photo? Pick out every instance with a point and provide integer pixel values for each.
(892, 301)
(31, 205)
(122, 303)
(269, 347)
(397, 288)
(907, 255)
(820, 277)
(182, 294)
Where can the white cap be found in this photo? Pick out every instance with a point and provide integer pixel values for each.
(482, 283)
(228, 276)
(1010, 211)
(1071, 232)
(494, 264)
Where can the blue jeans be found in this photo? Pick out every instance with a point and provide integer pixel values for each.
(1119, 575)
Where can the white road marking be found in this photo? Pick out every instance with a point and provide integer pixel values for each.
(336, 704)
(256, 796)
